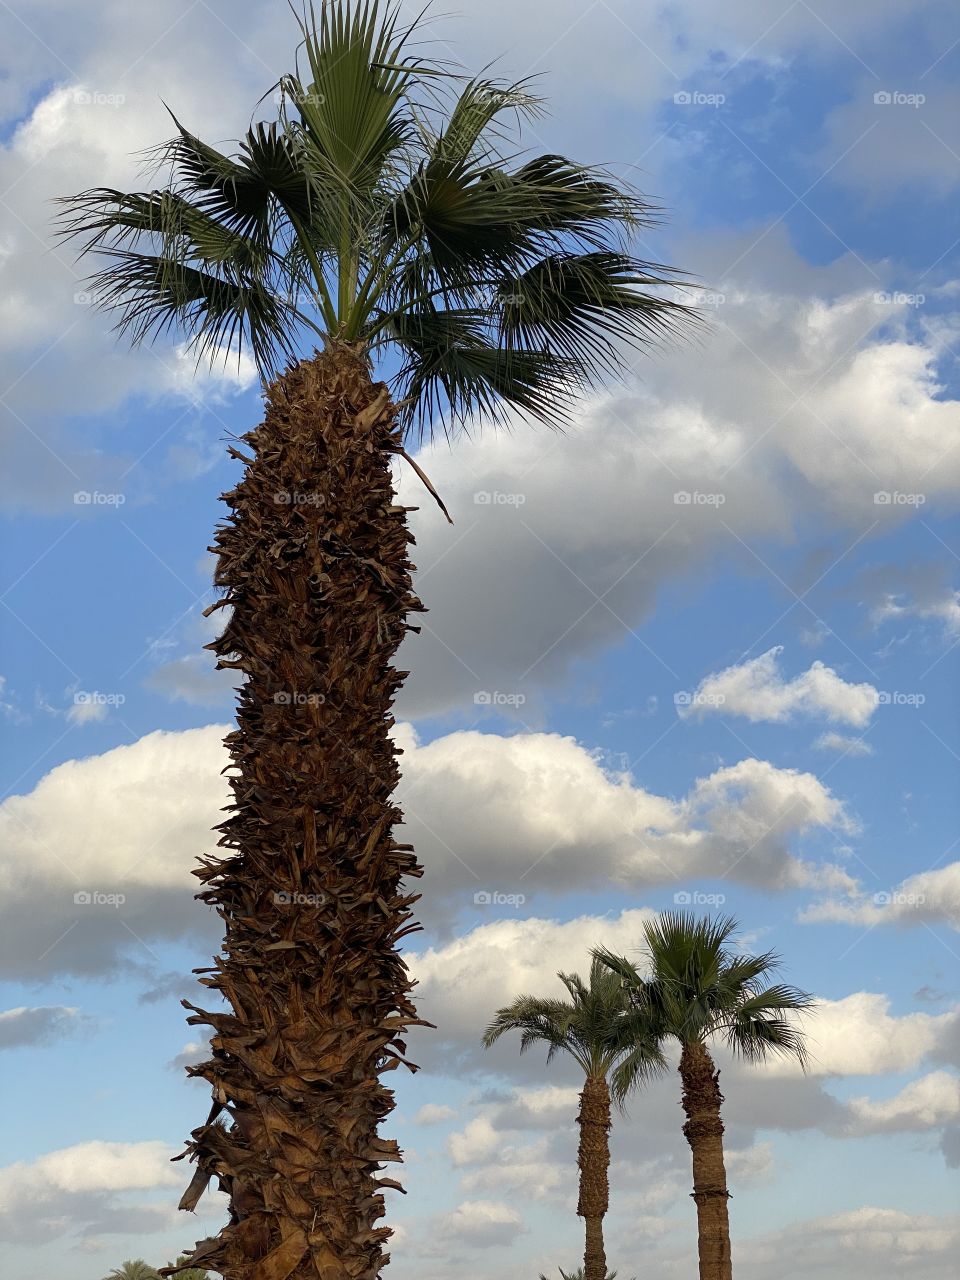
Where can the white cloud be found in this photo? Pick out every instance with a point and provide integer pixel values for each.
(434, 1113)
(855, 413)
(846, 746)
(482, 1223)
(865, 1242)
(929, 897)
(66, 1189)
(943, 608)
(858, 1035)
(39, 1025)
(758, 690)
(927, 1103)
(533, 814)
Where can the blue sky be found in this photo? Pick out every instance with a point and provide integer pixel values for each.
(748, 698)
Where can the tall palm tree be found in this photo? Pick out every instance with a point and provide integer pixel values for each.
(698, 988)
(135, 1269)
(611, 1042)
(379, 218)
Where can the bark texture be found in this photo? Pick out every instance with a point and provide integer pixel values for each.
(593, 1160)
(314, 561)
(703, 1130)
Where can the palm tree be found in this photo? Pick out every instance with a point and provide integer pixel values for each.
(700, 988)
(136, 1269)
(611, 1042)
(375, 219)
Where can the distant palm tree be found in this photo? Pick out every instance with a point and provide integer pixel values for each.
(386, 217)
(699, 988)
(133, 1270)
(609, 1039)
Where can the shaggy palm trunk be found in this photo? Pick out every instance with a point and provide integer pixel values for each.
(315, 566)
(593, 1159)
(703, 1130)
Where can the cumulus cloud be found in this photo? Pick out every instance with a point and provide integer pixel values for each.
(41, 1025)
(865, 1242)
(85, 1184)
(801, 403)
(858, 1035)
(434, 1113)
(927, 1103)
(929, 897)
(97, 858)
(758, 690)
(484, 1224)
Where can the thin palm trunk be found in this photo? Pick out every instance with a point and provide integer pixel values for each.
(703, 1130)
(593, 1159)
(314, 561)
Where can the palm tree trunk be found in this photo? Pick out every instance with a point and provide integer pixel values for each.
(593, 1160)
(704, 1131)
(314, 561)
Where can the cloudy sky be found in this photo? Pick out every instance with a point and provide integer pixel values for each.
(701, 649)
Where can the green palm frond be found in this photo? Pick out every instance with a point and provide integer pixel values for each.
(386, 205)
(700, 987)
(597, 1027)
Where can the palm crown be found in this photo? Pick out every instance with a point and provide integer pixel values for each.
(380, 208)
(700, 987)
(598, 1026)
